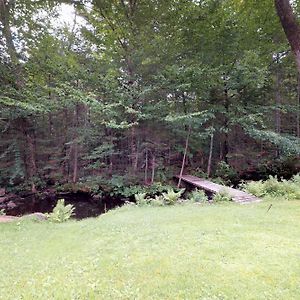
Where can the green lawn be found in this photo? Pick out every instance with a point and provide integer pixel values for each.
(224, 251)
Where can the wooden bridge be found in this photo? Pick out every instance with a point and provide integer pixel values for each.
(237, 195)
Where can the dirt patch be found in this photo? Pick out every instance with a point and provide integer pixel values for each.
(5, 219)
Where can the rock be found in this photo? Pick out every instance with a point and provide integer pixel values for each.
(37, 216)
(11, 205)
(2, 192)
(40, 216)
(3, 199)
(96, 198)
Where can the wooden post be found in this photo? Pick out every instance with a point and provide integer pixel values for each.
(184, 156)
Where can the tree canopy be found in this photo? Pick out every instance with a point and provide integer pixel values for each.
(117, 89)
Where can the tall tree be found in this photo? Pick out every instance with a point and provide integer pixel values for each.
(290, 26)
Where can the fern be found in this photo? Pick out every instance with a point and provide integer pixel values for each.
(61, 212)
(140, 199)
(198, 196)
(157, 201)
(222, 196)
(288, 189)
(171, 197)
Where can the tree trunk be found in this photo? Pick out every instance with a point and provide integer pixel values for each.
(225, 150)
(146, 167)
(75, 161)
(111, 163)
(278, 103)
(134, 151)
(290, 26)
(153, 169)
(64, 166)
(184, 156)
(5, 7)
(75, 145)
(298, 109)
(210, 154)
(31, 160)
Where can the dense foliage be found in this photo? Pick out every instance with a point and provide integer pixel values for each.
(123, 89)
(274, 188)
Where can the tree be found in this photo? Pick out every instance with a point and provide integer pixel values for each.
(290, 26)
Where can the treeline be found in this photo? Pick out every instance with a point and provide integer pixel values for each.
(129, 88)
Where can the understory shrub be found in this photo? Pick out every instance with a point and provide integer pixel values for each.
(226, 173)
(296, 179)
(219, 180)
(171, 197)
(200, 173)
(222, 196)
(140, 199)
(129, 191)
(157, 201)
(289, 189)
(198, 196)
(168, 198)
(61, 212)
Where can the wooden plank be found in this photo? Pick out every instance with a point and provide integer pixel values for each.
(237, 195)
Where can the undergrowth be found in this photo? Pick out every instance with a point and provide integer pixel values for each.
(273, 187)
(61, 212)
(198, 196)
(222, 196)
(171, 197)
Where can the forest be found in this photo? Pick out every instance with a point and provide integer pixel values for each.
(112, 96)
(149, 149)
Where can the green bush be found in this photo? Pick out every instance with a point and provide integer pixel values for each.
(151, 191)
(157, 188)
(273, 187)
(222, 196)
(140, 199)
(157, 201)
(226, 172)
(168, 198)
(255, 188)
(200, 173)
(73, 187)
(288, 189)
(296, 179)
(171, 197)
(61, 212)
(198, 196)
(219, 180)
(2, 212)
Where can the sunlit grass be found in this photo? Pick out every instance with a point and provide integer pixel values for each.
(224, 251)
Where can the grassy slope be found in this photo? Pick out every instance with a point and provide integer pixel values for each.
(185, 252)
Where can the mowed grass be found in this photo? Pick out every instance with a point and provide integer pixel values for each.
(224, 251)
